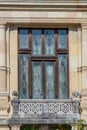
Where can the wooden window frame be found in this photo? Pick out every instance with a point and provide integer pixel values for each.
(43, 58)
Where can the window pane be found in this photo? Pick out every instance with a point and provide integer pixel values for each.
(37, 80)
(23, 41)
(49, 80)
(62, 40)
(49, 42)
(23, 77)
(36, 42)
(62, 76)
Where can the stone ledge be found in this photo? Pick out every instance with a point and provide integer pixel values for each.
(42, 121)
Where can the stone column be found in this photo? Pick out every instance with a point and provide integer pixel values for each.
(15, 127)
(84, 73)
(3, 67)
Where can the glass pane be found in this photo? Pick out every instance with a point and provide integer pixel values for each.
(23, 41)
(49, 42)
(62, 40)
(62, 76)
(37, 80)
(49, 80)
(36, 42)
(23, 76)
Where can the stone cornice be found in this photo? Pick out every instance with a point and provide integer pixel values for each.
(77, 5)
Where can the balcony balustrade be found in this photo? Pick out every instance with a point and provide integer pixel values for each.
(45, 111)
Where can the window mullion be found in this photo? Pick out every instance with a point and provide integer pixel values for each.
(30, 78)
(56, 41)
(30, 39)
(56, 79)
(68, 74)
(43, 42)
(43, 78)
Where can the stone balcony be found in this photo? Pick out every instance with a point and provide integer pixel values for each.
(45, 111)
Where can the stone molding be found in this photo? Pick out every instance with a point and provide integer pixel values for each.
(43, 5)
(4, 68)
(84, 25)
(82, 68)
(26, 21)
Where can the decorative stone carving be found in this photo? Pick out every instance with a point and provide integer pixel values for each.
(84, 93)
(44, 110)
(83, 104)
(75, 94)
(4, 103)
(39, 108)
(15, 94)
(4, 106)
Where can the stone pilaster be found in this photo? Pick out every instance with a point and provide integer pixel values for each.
(84, 73)
(8, 56)
(3, 67)
(4, 95)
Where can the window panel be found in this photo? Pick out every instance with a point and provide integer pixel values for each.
(36, 42)
(23, 41)
(62, 40)
(49, 42)
(23, 76)
(37, 80)
(62, 59)
(40, 72)
(49, 80)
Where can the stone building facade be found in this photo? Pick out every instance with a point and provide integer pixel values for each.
(43, 15)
